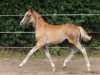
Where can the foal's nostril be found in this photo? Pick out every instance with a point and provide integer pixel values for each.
(21, 24)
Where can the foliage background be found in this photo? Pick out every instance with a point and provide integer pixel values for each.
(18, 7)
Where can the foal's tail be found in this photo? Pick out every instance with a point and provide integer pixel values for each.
(84, 35)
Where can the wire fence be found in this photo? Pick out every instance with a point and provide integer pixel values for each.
(48, 47)
(56, 15)
(30, 32)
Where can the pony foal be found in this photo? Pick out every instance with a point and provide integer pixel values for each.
(53, 34)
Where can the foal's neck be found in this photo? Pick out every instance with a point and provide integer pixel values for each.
(40, 23)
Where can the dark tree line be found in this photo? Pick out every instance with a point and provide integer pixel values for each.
(18, 7)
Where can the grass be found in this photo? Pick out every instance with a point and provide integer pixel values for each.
(19, 53)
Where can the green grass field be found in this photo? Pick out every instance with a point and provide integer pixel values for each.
(21, 53)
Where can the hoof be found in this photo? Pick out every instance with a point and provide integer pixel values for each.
(64, 66)
(89, 71)
(20, 66)
(53, 69)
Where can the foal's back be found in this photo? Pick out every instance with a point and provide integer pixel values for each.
(65, 29)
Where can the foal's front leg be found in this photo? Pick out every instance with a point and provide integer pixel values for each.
(49, 57)
(35, 48)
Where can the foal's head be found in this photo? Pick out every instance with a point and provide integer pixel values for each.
(29, 17)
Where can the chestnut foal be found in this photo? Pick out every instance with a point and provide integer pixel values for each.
(53, 34)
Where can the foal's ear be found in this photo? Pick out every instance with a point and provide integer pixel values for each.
(29, 8)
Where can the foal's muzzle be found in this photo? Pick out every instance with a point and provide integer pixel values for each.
(22, 24)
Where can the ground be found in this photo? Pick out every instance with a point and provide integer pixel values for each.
(43, 67)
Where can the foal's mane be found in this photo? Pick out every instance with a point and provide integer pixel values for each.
(37, 16)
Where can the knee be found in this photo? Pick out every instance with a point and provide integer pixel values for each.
(84, 50)
(48, 55)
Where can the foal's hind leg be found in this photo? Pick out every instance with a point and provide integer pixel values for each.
(73, 51)
(82, 49)
(49, 57)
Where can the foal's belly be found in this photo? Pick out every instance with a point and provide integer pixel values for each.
(55, 39)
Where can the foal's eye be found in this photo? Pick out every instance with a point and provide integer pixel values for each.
(27, 16)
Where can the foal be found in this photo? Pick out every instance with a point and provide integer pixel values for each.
(53, 34)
